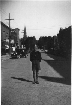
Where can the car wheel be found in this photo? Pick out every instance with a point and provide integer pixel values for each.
(17, 57)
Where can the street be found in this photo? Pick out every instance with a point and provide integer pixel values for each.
(16, 82)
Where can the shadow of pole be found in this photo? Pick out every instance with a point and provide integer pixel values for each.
(21, 79)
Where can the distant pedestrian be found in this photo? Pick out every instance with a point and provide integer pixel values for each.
(35, 58)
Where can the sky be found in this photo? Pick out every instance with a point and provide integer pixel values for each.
(41, 18)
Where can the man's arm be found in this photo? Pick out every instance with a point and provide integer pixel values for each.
(39, 56)
(31, 56)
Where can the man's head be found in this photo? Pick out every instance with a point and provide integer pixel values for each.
(36, 48)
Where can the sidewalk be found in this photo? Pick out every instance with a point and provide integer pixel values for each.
(5, 57)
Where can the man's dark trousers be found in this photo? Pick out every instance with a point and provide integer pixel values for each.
(35, 68)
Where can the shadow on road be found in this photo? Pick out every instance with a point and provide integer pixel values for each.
(13, 58)
(62, 66)
(58, 58)
(55, 79)
(21, 79)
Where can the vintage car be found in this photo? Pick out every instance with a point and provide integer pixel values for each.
(22, 53)
(14, 54)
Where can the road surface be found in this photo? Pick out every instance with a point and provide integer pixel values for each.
(17, 87)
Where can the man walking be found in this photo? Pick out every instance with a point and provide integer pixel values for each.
(35, 58)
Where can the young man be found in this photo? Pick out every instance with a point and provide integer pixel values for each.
(35, 58)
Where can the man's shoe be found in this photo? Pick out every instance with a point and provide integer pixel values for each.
(37, 82)
(33, 82)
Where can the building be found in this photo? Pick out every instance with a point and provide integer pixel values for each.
(4, 34)
(14, 36)
(17, 31)
(64, 41)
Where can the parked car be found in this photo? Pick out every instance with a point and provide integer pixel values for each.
(14, 54)
(22, 53)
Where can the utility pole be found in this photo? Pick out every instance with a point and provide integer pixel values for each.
(9, 31)
(24, 31)
(25, 36)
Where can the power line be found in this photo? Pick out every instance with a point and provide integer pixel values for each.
(6, 16)
(4, 11)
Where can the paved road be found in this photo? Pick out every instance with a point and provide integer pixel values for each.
(17, 87)
(4, 57)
